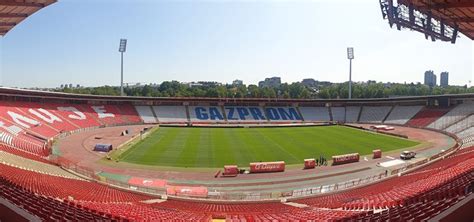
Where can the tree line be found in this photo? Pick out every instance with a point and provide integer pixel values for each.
(294, 90)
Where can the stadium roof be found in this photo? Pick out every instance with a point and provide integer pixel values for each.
(12, 12)
(456, 13)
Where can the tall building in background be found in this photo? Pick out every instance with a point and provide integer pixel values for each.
(237, 82)
(430, 78)
(444, 79)
(270, 82)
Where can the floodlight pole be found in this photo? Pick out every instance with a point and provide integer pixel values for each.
(350, 56)
(350, 78)
(121, 74)
(122, 49)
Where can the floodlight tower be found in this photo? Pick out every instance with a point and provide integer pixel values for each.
(122, 49)
(350, 56)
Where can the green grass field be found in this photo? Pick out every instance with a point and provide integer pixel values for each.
(216, 147)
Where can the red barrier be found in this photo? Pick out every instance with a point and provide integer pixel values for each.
(142, 182)
(309, 163)
(265, 167)
(377, 154)
(347, 158)
(187, 191)
(230, 171)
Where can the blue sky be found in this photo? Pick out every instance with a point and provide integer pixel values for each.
(76, 42)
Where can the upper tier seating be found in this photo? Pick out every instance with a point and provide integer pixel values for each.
(454, 115)
(374, 114)
(352, 114)
(146, 114)
(171, 114)
(206, 114)
(318, 114)
(425, 117)
(339, 114)
(401, 114)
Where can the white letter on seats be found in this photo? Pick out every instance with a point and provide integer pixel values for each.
(79, 115)
(100, 110)
(22, 120)
(15, 130)
(49, 118)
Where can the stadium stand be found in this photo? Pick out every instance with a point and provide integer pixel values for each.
(170, 114)
(206, 114)
(402, 114)
(352, 114)
(426, 116)
(74, 115)
(454, 115)
(339, 114)
(467, 136)
(461, 125)
(129, 114)
(374, 114)
(250, 114)
(146, 114)
(418, 195)
(317, 114)
(283, 114)
(443, 179)
(65, 188)
(35, 166)
(46, 208)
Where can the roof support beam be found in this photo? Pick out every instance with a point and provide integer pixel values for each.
(460, 19)
(447, 5)
(21, 3)
(13, 15)
(7, 24)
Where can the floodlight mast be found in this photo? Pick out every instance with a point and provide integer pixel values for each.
(350, 56)
(122, 49)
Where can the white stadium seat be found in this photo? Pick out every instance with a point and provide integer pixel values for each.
(315, 114)
(171, 114)
(374, 114)
(146, 114)
(401, 114)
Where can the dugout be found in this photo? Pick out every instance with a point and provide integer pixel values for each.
(103, 147)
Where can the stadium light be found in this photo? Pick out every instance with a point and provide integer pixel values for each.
(350, 56)
(122, 49)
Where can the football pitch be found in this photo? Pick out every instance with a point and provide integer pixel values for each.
(216, 147)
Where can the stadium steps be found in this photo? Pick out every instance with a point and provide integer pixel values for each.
(224, 113)
(188, 115)
(330, 114)
(360, 113)
(388, 114)
(299, 113)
